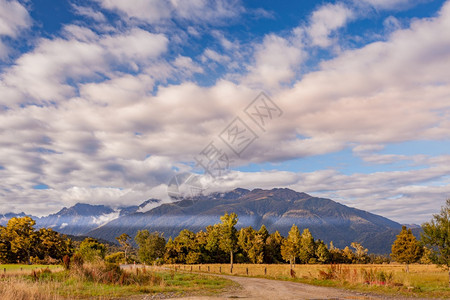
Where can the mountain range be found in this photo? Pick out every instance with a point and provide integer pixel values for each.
(278, 209)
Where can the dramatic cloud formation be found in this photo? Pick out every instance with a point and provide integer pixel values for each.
(107, 108)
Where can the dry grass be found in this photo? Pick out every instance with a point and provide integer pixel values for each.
(103, 281)
(18, 288)
(422, 280)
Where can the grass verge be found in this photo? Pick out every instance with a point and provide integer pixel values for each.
(425, 281)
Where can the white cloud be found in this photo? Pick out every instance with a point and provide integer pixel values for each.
(398, 195)
(89, 12)
(105, 119)
(14, 18)
(325, 21)
(153, 11)
(210, 54)
(276, 61)
(41, 75)
(159, 11)
(388, 4)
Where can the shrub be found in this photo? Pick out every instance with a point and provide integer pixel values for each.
(66, 262)
(118, 257)
(77, 260)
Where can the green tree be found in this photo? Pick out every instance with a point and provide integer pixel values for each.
(361, 256)
(406, 248)
(201, 240)
(186, 247)
(337, 255)
(246, 236)
(52, 244)
(92, 250)
(307, 248)
(291, 245)
(151, 245)
(5, 246)
(436, 237)
(272, 252)
(124, 241)
(22, 238)
(19, 241)
(322, 253)
(264, 233)
(214, 252)
(256, 253)
(170, 253)
(228, 238)
(115, 258)
(348, 255)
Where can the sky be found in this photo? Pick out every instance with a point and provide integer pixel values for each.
(104, 101)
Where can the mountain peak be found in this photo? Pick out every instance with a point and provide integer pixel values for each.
(277, 209)
(84, 209)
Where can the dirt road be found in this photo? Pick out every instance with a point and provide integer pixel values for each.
(259, 288)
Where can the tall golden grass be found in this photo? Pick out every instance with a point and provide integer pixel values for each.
(424, 280)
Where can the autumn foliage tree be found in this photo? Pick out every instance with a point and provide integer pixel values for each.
(228, 236)
(406, 248)
(291, 245)
(20, 242)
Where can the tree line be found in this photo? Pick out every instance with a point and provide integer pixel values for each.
(21, 242)
(222, 243)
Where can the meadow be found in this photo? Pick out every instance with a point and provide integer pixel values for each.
(386, 279)
(105, 281)
(100, 281)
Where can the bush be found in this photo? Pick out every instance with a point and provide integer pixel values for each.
(118, 257)
(77, 260)
(110, 273)
(66, 262)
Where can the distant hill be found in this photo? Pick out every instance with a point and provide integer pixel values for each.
(4, 218)
(278, 209)
(82, 218)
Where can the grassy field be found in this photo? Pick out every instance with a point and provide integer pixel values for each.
(20, 269)
(93, 283)
(390, 279)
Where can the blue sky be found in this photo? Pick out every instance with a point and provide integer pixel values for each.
(103, 101)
